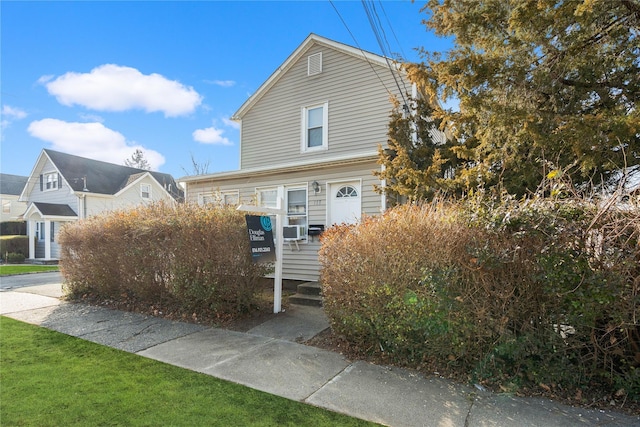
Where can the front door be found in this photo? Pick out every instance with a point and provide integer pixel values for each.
(345, 204)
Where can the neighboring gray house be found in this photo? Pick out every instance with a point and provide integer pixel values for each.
(11, 187)
(63, 188)
(310, 135)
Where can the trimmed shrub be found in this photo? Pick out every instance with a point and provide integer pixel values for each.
(13, 228)
(15, 258)
(193, 256)
(507, 293)
(14, 244)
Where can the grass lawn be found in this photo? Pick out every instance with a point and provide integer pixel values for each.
(52, 379)
(6, 270)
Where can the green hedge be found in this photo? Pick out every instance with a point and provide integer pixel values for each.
(511, 294)
(14, 244)
(196, 257)
(13, 228)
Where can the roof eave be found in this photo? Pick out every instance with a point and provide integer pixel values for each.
(271, 170)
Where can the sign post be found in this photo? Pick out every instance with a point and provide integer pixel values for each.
(280, 215)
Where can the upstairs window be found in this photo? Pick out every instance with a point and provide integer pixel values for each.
(145, 191)
(50, 181)
(315, 127)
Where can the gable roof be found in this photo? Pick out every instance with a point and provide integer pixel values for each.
(54, 209)
(95, 176)
(12, 184)
(308, 43)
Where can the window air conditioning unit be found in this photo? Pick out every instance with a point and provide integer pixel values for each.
(291, 232)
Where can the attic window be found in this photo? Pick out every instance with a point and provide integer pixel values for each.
(314, 64)
(145, 191)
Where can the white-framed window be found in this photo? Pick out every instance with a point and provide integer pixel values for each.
(219, 198)
(315, 129)
(230, 197)
(145, 191)
(40, 231)
(297, 203)
(206, 198)
(346, 192)
(267, 197)
(51, 181)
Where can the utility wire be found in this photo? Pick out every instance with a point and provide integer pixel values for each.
(361, 50)
(381, 38)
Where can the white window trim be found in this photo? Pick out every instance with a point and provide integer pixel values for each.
(40, 231)
(203, 196)
(54, 181)
(304, 148)
(314, 64)
(233, 193)
(304, 234)
(149, 197)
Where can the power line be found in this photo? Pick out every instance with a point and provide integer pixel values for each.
(358, 45)
(378, 30)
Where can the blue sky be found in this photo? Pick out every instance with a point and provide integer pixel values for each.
(101, 79)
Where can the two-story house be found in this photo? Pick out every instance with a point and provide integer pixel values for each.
(63, 188)
(310, 135)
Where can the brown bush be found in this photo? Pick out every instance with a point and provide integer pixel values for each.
(509, 293)
(195, 256)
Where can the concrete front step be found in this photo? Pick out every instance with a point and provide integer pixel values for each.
(303, 299)
(308, 294)
(309, 288)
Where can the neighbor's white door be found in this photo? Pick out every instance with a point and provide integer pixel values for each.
(345, 204)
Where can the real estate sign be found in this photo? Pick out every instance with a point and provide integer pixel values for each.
(261, 238)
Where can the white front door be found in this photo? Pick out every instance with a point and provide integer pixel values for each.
(345, 202)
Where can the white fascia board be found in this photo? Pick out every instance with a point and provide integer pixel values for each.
(270, 170)
(34, 176)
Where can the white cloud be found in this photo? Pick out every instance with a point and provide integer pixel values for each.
(222, 83)
(112, 87)
(211, 135)
(91, 117)
(91, 140)
(11, 114)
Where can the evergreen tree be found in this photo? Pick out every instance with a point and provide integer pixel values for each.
(542, 85)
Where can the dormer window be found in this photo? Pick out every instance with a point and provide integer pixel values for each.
(50, 181)
(314, 64)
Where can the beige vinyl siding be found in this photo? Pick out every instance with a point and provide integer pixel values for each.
(359, 110)
(302, 264)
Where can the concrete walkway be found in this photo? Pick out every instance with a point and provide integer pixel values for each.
(271, 358)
